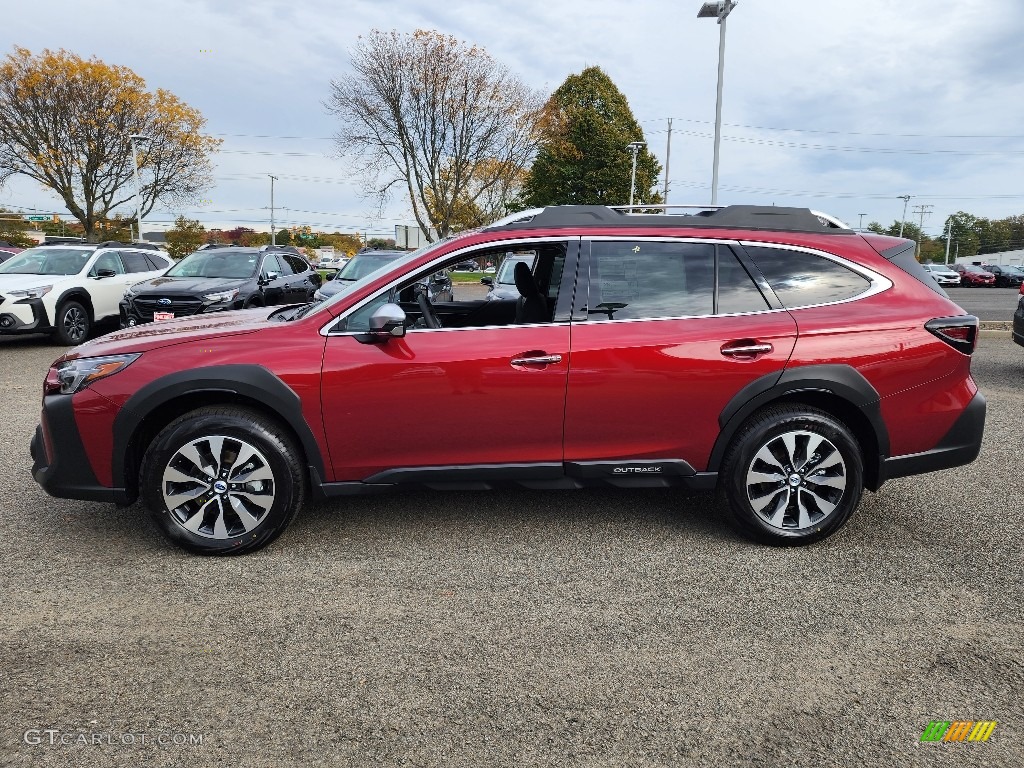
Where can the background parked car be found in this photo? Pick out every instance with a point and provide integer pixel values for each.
(220, 279)
(439, 286)
(943, 274)
(6, 253)
(66, 289)
(971, 274)
(1007, 276)
(503, 285)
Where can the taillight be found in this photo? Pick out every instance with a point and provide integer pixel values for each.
(961, 333)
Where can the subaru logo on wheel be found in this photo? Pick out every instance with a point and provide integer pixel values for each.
(164, 302)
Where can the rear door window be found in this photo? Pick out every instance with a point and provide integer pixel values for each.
(633, 279)
(135, 262)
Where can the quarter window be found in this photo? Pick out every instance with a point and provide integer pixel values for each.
(802, 279)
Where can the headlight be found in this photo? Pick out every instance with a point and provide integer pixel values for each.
(73, 375)
(32, 293)
(128, 294)
(217, 298)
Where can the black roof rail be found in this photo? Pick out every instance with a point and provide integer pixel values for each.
(767, 217)
(119, 244)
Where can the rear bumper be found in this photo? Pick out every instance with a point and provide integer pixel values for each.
(64, 471)
(960, 445)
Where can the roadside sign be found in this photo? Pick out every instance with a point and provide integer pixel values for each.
(38, 218)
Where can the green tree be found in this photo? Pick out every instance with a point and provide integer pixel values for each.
(185, 237)
(284, 237)
(66, 123)
(583, 158)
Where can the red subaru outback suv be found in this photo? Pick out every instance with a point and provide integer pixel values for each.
(771, 354)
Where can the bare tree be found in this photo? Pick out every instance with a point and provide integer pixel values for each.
(66, 122)
(439, 117)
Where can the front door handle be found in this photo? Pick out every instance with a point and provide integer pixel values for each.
(744, 349)
(537, 360)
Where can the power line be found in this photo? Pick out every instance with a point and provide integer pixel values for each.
(846, 133)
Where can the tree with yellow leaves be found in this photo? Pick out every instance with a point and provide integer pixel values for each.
(66, 122)
(438, 117)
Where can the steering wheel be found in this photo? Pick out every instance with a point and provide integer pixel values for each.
(429, 318)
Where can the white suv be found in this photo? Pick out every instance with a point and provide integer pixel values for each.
(64, 290)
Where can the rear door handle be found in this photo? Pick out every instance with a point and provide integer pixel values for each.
(747, 350)
(537, 360)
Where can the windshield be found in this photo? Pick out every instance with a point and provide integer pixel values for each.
(364, 264)
(47, 261)
(507, 274)
(226, 264)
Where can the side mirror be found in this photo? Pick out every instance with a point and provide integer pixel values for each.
(331, 275)
(105, 273)
(387, 322)
(487, 280)
(439, 277)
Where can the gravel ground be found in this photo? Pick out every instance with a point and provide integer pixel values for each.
(517, 628)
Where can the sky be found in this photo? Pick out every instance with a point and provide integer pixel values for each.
(838, 105)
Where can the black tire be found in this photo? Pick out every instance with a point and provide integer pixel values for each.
(791, 514)
(251, 303)
(217, 524)
(72, 324)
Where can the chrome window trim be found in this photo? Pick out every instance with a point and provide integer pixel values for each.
(431, 267)
(878, 283)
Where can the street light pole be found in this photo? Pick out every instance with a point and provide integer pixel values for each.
(949, 236)
(861, 227)
(634, 147)
(138, 183)
(721, 11)
(273, 229)
(905, 199)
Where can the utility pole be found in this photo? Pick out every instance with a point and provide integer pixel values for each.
(905, 199)
(922, 210)
(668, 155)
(273, 230)
(861, 227)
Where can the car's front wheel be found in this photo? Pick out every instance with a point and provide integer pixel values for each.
(222, 480)
(72, 324)
(793, 475)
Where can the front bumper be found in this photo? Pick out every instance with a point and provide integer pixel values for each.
(24, 316)
(960, 445)
(61, 466)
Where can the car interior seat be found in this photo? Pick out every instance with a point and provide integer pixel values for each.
(532, 307)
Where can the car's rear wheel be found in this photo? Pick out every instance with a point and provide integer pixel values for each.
(793, 475)
(72, 324)
(222, 480)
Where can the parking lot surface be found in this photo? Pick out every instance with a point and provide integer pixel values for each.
(987, 303)
(594, 628)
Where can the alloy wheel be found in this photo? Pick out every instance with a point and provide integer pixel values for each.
(218, 487)
(74, 322)
(796, 480)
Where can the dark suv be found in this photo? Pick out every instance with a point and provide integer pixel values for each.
(213, 280)
(771, 354)
(1006, 276)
